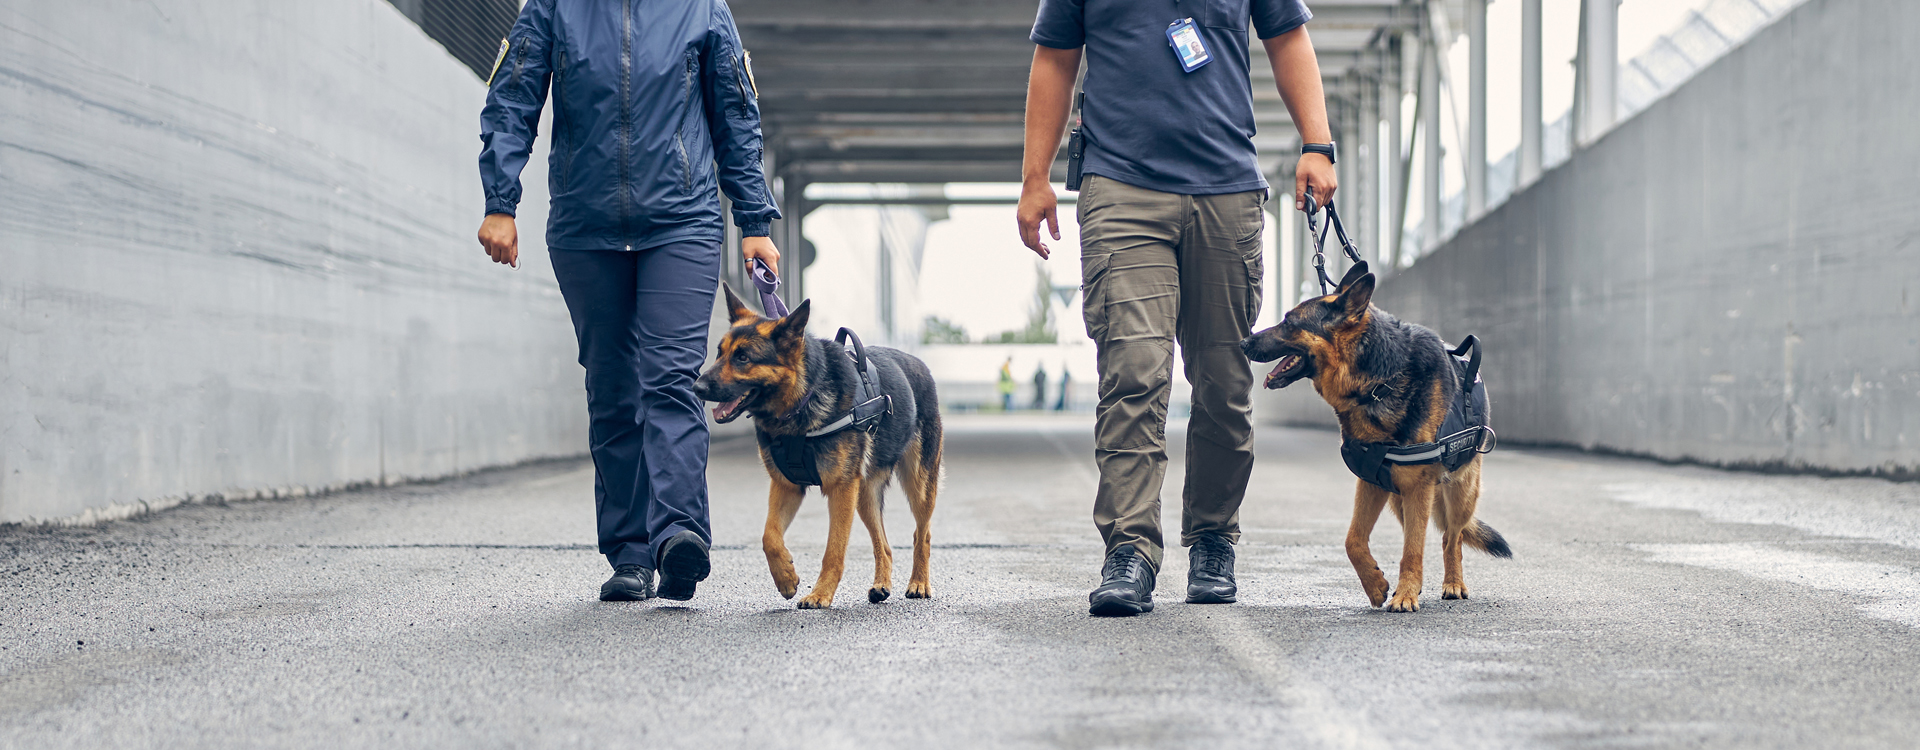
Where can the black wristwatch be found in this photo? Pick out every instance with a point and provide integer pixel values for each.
(1326, 149)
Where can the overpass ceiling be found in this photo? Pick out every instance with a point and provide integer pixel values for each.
(934, 90)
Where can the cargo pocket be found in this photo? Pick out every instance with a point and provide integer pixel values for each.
(1093, 294)
(1252, 254)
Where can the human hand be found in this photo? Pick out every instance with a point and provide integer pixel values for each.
(1314, 174)
(501, 239)
(1037, 204)
(762, 248)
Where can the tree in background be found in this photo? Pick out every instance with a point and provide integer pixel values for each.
(939, 330)
(1039, 328)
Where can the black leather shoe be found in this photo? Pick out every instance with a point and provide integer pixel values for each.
(683, 563)
(1126, 585)
(1210, 571)
(630, 583)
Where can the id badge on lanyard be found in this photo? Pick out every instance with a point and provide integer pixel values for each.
(1185, 38)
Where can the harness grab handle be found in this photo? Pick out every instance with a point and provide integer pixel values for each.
(1470, 343)
(859, 349)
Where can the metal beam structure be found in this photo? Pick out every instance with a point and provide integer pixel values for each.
(934, 91)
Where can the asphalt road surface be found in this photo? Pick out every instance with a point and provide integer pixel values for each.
(1647, 605)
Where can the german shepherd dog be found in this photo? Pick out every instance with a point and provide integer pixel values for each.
(793, 384)
(1352, 349)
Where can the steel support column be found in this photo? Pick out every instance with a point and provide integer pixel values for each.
(1532, 130)
(1430, 139)
(1393, 94)
(1599, 66)
(1476, 109)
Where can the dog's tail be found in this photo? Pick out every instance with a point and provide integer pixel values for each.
(1482, 537)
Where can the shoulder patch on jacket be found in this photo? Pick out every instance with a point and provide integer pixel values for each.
(497, 60)
(746, 62)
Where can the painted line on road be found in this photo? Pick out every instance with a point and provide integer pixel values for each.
(1313, 708)
(1890, 586)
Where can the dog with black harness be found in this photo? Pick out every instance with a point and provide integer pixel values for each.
(837, 415)
(1414, 420)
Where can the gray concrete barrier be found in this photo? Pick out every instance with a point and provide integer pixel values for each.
(237, 258)
(1731, 277)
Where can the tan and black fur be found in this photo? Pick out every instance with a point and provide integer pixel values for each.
(1387, 381)
(765, 367)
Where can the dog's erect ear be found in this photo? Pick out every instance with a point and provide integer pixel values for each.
(737, 311)
(1354, 298)
(795, 324)
(1354, 273)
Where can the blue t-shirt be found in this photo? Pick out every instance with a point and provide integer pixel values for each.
(1148, 122)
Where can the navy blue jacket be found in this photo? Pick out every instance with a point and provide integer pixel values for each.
(647, 97)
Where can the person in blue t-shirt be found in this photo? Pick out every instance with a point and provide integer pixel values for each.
(1170, 225)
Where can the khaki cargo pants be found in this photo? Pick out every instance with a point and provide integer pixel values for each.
(1159, 267)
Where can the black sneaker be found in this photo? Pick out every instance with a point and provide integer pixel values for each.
(630, 583)
(683, 563)
(1210, 571)
(1126, 585)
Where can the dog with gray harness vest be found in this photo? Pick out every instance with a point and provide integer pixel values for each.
(838, 415)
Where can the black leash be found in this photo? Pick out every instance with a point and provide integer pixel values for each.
(1319, 235)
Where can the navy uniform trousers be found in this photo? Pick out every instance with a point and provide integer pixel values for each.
(641, 318)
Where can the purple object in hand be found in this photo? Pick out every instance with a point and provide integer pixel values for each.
(769, 285)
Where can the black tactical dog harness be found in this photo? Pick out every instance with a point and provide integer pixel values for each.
(793, 454)
(1465, 430)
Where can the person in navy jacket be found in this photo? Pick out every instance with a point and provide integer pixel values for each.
(653, 104)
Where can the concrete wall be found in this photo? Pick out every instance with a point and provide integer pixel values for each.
(1731, 277)
(236, 257)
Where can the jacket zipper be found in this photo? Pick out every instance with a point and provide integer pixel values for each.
(740, 84)
(559, 74)
(626, 107)
(679, 134)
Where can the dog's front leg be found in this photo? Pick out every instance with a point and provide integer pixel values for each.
(783, 501)
(1367, 502)
(843, 498)
(1416, 502)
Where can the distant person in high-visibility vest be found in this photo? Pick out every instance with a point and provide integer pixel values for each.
(1006, 385)
(1170, 223)
(653, 107)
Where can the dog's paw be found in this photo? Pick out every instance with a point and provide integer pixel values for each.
(787, 581)
(1376, 586)
(1453, 591)
(1404, 602)
(815, 601)
(919, 590)
(877, 594)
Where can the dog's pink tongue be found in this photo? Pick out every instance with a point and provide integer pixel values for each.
(722, 411)
(1285, 362)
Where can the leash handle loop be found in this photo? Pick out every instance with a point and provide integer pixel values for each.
(768, 283)
(1319, 235)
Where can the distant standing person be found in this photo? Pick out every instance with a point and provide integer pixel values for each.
(1039, 387)
(1170, 224)
(647, 98)
(1066, 389)
(1006, 385)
